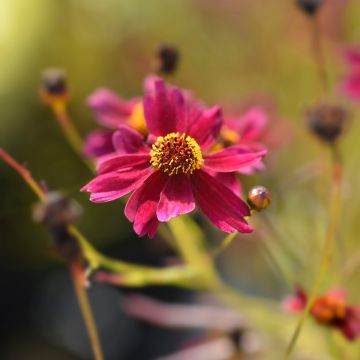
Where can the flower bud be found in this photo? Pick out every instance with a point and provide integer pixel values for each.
(167, 59)
(54, 85)
(59, 210)
(309, 7)
(259, 198)
(327, 121)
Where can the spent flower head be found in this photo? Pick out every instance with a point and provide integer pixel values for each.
(330, 309)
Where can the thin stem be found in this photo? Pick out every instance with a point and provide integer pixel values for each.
(318, 54)
(78, 278)
(224, 244)
(24, 173)
(327, 248)
(70, 132)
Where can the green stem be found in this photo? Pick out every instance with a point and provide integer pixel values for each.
(327, 248)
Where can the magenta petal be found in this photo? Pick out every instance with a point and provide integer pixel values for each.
(350, 327)
(110, 110)
(99, 143)
(123, 162)
(252, 124)
(164, 110)
(142, 204)
(114, 185)
(127, 140)
(205, 126)
(229, 180)
(351, 87)
(233, 158)
(223, 208)
(176, 198)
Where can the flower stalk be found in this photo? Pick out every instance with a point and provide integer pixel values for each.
(327, 247)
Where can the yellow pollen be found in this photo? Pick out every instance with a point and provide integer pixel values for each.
(176, 154)
(229, 135)
(137, 120)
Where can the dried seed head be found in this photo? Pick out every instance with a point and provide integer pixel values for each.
(309, 7)
(259, 198)
(58, 211)
(327, 121)
(54, 81)
(167, 59)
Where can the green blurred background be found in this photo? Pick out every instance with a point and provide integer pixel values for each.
(231, 51)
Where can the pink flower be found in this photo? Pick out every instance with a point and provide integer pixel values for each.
(330, 309)
(351, 84)
(111, 112)
(173, 170)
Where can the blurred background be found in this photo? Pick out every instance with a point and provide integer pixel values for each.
(233, 52)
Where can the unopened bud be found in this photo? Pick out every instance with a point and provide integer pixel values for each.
(309, 7)
(259, 198)
(167, 59)
(327, 121)
(59, 210)
(54, 87)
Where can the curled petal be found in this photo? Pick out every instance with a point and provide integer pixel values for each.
(127, 140)
(142, 205)
(113, 185)
(110, 110)
(223, 208)
(234, 158)
(176, 198)
(204, 125)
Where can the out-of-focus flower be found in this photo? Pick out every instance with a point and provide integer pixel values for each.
(54, 87)
(330, 309)
(167, 57)
(174, 169)
(327, 121)
(111, 111)
(309, 7)
(259, 198)
(351, 84)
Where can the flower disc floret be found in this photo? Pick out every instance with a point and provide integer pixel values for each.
(176, 153)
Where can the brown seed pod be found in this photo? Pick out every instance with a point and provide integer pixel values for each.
(327, 121)
(309, 7)
(167, 57)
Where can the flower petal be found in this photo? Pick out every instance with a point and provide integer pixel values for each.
(99, 143)
(164, 109)
(142, 204)
(127, 140)
(204, 125)
(252, 124)
(233, 158)
(176, 198)
(122, 162)
(229, 180)
(110, 109)
(113, 185)
(223, 208)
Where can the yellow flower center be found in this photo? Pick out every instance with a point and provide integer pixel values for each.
(137, 119)
(176, 154)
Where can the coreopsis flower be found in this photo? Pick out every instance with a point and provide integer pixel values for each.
(111, 111)
(351, 84)
(174, 169)
(330, 309)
